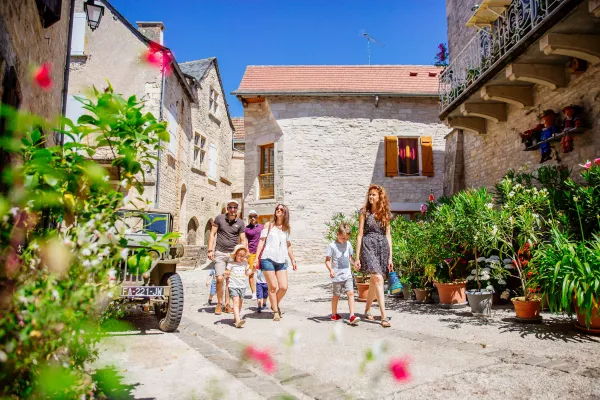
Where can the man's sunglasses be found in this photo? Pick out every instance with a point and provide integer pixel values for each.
(253, 216)
(232, 207)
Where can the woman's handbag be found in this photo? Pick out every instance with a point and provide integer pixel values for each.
(263, 248)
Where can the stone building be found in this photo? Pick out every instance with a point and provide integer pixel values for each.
(317, 136)
(511, 61)
(237, 162)
(192, 178)
(33, 32)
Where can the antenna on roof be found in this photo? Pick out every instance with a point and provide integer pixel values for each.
(369, 40)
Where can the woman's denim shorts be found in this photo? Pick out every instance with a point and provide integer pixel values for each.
(269, 265)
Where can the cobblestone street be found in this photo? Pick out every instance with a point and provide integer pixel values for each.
(454, 355)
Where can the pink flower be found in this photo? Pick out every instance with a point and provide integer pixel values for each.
(597, 161)
(431, 197)
(399, 369)
(587, 165)
(423, 208)
(159, 57)
(260, 356)
(41, 76)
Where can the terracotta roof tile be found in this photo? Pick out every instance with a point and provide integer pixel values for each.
(324, 79)
(238, 126)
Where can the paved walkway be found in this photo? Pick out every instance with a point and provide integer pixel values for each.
(454, 355)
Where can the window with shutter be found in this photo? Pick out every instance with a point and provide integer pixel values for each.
(212, 159)
(74, 111)
(391, 156)
(49, 11)
(78, 36)
(172, 127)
(427, 155)
(408, 156)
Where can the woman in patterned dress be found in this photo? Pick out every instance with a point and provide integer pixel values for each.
(374, 246)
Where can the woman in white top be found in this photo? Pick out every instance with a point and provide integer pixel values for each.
(273, 250)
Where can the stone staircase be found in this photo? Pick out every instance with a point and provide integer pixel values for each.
(193, 257)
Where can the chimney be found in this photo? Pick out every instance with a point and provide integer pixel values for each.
(153, 30)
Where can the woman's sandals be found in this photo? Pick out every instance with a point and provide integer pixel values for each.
(384, 322)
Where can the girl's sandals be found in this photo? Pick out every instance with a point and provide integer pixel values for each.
(369, 316)
(385, 323)
(276, 316)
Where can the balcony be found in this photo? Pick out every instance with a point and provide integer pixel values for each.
(473, 83)
(266, 183)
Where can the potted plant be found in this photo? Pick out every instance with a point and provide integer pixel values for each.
(423, 284)
(514, 228)
(490, 274)
(362, 285)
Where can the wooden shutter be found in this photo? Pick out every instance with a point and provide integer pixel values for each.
(427, 155)
(391, 156)
(78, 35)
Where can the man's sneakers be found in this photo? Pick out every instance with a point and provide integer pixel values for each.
(218, 309)
(228, 309)
(354, 320)
(336, 317)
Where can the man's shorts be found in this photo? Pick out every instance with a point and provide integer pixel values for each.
(269, 265)
(262, 290)
(237, 292)
(221, 260)
(342, 287)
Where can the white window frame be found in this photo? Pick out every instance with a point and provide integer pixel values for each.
(199, 151)
(73, 112)
(212, 162)
(213, 101)
(172, 127)
(78, 35)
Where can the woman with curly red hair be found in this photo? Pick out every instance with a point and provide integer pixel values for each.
(374, 247)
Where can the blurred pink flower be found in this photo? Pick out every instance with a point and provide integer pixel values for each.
(423, 208)
(158, 57)
(597, 161)
(399, 369)
(261, 356)
(587, 165)
(41, 76)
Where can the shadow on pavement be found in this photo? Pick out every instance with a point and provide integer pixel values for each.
(134, 320)
(110, 383)
(554, 329)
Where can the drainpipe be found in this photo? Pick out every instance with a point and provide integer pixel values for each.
(67, 68)
(161, 117)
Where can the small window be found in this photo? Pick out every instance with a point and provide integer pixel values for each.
(408, 156)
(213, 103)
(199, 151)
(74, 111)
(172, 127)
(212, 162)
(78, 36)
(267, 172)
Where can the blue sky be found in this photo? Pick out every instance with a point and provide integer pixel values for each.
(293, 32)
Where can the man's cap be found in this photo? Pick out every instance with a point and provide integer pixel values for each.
(233, 201)
(253, 212)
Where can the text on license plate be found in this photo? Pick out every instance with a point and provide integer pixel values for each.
(142, 291)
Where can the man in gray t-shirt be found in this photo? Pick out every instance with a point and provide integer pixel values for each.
(227, 231)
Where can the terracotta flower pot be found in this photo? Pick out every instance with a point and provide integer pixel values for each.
(526, 309)
(423, 295)
(363, 289)
(452, 293)
(594, 324)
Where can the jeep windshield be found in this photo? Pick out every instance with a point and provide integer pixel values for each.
(142, 222)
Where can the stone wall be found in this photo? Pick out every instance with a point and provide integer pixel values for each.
(328, 151)
(487, 157)
(458, 13)
(24, 42)
(454, 176)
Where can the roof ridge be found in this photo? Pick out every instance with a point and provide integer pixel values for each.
(348, 65)
(200, 59)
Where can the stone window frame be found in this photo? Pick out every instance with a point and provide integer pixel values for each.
(199, 151)
(270, 175)
(213, 101)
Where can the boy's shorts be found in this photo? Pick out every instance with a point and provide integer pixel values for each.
(262, 290)
(237, 292)
(213, 287)
(342, 287)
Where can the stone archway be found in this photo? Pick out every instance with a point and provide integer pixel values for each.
(207, 231)
(192, 231)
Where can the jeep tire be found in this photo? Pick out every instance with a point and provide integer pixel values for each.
(169, 321)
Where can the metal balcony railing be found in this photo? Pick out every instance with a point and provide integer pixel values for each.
(491, 44)
(266, 183)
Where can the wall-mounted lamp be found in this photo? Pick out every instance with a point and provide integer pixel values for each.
(377, 101)
(94, 13)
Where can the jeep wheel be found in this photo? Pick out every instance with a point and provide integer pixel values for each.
(169, 321)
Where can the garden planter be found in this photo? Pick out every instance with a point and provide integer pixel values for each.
(480, 302)
(594, 324)
(452, 294)
(363, 289)
(527, 309)
(423, 295)
(407, 291)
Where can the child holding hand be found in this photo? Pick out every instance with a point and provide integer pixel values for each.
(338, 257)
(236, 272)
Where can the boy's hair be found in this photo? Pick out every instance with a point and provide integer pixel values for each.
(344, 228)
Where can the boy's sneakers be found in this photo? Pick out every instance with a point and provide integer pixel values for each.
(253, 296)
(336, 317)
(209, 302)
(228, 309)
(354, 320)
(218, 309)
(259, 309)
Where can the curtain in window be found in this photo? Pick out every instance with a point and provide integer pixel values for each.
(408, 154)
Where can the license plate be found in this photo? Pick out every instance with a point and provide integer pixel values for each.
(142, 291)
